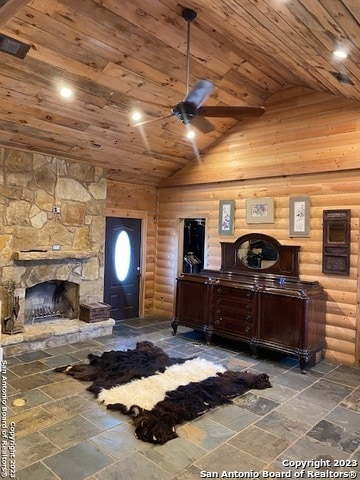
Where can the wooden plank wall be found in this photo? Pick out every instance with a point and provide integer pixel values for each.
(325, 134)
(125, 200)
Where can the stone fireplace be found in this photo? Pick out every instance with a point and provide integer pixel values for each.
(52, 231)
(49, 287)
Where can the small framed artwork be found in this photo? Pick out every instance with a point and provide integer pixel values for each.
(226, 217)
(299, 225)
(260, 210)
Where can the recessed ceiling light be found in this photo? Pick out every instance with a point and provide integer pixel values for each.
(340, 53)
(66, 92)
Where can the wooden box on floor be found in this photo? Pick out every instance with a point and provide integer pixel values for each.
(94, 312)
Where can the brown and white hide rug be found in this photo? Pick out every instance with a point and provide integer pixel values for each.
(159, 391)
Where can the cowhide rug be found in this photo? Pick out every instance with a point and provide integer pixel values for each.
(159, 391)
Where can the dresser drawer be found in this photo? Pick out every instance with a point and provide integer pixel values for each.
(234, 294)
(236, 322)
(239, 304)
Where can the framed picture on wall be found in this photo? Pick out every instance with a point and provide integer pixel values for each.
(299, 221)
(226, 217)
(260, 210)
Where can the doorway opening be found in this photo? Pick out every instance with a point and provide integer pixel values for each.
(193, 251)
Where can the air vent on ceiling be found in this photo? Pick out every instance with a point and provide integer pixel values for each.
(342, 78)
(13, 47)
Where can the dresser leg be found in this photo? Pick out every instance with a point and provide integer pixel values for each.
(208, 333)
(174, 326)
(303, 363)
(254, 350)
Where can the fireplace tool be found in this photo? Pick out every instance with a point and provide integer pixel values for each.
(11, 326)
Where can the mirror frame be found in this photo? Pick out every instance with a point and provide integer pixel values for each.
(287, 263)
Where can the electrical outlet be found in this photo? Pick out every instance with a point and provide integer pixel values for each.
(56, 209)
(56, 247)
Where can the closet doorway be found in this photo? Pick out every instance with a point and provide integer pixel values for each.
(193, 251)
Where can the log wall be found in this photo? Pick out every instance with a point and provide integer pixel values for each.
(177, 203)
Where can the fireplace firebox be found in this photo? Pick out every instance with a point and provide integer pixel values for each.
(51, 300)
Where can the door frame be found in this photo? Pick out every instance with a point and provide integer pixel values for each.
(140, 215)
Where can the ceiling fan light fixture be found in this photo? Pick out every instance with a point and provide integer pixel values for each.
(190, 134)
(185, 111)
(136, 116)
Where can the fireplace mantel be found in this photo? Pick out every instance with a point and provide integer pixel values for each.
(28, 256)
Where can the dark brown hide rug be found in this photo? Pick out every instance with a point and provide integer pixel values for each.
(159, 391)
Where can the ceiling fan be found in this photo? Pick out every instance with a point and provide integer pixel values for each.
(190, 110)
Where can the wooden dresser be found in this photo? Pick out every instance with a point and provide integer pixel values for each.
(266, 306)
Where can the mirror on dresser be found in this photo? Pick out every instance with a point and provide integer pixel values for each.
(259, 252)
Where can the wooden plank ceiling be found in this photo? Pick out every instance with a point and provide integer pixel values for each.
(121, 55)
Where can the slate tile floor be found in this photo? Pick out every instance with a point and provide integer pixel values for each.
(62, 433)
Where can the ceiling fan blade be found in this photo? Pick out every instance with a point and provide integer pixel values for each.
(151, 120)
(202, 124)
(199, 93)
(226, 111)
